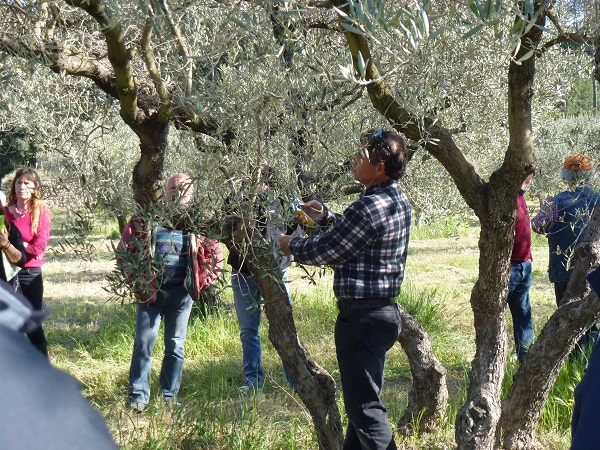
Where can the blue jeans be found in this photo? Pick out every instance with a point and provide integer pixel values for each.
(520, 307)
(362, 338)
(246, 298)
(175, 305)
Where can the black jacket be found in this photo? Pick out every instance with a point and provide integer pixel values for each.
(16, 239)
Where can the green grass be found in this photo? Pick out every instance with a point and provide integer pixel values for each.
(448, 227)
(91, 337)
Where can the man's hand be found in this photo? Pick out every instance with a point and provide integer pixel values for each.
(310, 212)
(284, 242)
(314, 209)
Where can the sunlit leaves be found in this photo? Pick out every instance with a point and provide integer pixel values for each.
(412, 24)
(489, 13)
(486, 13)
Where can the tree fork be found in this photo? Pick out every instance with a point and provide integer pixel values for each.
(522, 407)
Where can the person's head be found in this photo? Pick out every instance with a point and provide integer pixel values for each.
(179, 187)
(577, 169)
(383, 156)
(25, 186)
(527, 181)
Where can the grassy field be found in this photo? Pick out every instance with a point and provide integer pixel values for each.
(91, 337)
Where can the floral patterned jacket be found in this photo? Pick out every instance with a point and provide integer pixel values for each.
(135, 254)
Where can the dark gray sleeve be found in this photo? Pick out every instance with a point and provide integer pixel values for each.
(41, 407)
(16, 239)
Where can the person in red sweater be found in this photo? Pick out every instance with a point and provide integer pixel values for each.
(27, 211)
(520, 276)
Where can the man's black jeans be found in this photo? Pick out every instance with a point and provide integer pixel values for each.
(362, 338)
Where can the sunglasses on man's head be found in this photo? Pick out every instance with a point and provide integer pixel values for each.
(374, 142)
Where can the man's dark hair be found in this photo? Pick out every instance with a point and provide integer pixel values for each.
(389, 148)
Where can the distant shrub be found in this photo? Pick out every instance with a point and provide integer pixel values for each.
(114, 235)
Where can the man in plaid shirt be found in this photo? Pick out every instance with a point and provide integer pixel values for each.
(367, 248)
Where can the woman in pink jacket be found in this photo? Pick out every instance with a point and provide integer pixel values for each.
(27, 211)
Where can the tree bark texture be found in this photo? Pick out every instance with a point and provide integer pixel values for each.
(148, 171)
(428, 394)
(118, 55)
(316, 388)
(315, 385)
(522, 407)
(476, 421)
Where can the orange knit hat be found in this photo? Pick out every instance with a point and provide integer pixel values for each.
(578, 161)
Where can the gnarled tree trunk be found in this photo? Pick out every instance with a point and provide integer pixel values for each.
(522, 407)
(476, 421)
(428, 394)
(148, 171)
(315, 386)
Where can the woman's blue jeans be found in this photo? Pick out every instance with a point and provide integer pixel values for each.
(246, 298)
(362, 338)
(520, 307)
(174, 305)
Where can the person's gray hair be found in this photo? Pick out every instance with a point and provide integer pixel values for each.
(577, 176)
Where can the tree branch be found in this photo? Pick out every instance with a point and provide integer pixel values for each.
(182, 46)
(568, 37)
(552, 17)
(55, 58)
(436, 139)
(118, 55)
(165, 109)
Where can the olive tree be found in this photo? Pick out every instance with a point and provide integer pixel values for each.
(483, 421)
(261, 94)
(167, 70)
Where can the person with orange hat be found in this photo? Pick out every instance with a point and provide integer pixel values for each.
(564, 219)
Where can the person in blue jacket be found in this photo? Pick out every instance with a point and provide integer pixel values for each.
(585, 431)
(564, 219)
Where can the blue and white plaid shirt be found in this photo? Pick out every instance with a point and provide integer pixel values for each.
(366, 246)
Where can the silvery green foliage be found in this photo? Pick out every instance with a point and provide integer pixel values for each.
(556, 140)
(449, 63)
(88, 153)
(301, 116)
(237, 76)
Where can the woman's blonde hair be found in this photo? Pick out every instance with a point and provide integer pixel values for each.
(37, 205)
